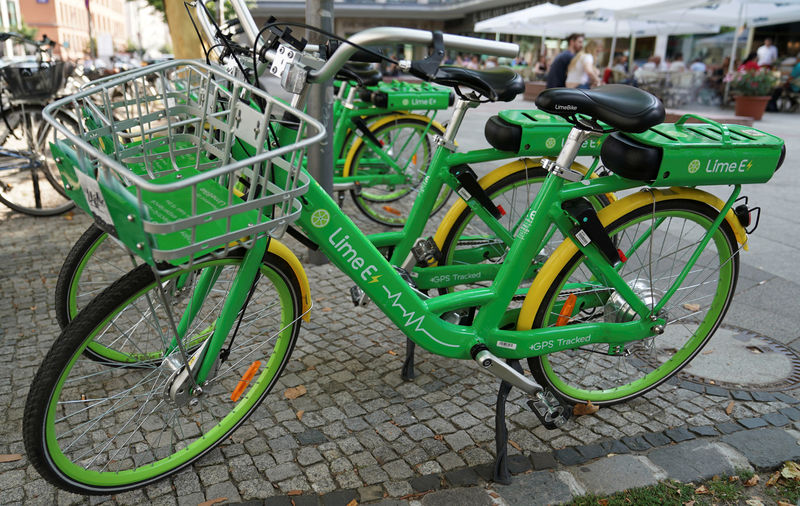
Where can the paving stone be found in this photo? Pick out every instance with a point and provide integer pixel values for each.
(339, 498)
(636, 443)
(697, 460)
(549, 489)
(462, 477)
(543, 460)
(741, 395)
(569, 456)
(679, 434)
(615, 446)
(792, 413)
(425, 483)
(716, 391)
(591, 451)
(728, 427)
(473, 496)
(704, 430)
(764, 448)
(788, 399)
(311, 437)
(629, 471)
(694, 387)
(763, 396)
(226, 489)
(776, 419)
(752, 423)
(657, 439)
(371, 493)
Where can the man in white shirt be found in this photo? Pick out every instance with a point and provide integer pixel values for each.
(767, 54)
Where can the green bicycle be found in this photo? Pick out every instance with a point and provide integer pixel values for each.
(649, 276)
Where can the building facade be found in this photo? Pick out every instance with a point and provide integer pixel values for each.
(9, 20)
(67, 22)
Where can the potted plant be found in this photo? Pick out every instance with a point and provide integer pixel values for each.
(752, 89)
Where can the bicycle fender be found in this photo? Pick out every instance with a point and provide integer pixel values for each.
(608, 215)
(377, 124)
(280, 250)
(486, 181)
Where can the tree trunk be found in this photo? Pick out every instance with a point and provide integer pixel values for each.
(185, 43)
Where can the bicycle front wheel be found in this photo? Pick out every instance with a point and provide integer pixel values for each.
(29, 180)
(104, 427)
(409, 142)
(658, 239)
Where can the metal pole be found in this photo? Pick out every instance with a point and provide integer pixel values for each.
(92, 45)
(739, 27)
(319, 13)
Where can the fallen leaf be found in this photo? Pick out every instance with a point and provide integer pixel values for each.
(294, 492)
(10, 457)
(300, 414)
(33, 308)
(773, 479)
(712, 382)
(213, 501)
(353, 503)
(392, 352)
(602, 502)
(791, 471)
(514, 444)
(701, 490)
(752, 482)
(295, 392)
(69, 216)
(729, 409)
(438, 437)
(691, 307)
(327, 309)
(688, 503)
(754, 502)
(783, 503)
(494, 494)
(585, 409)
(707, 352)
(732, 479)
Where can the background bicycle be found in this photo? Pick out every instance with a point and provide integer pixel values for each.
(29, 181)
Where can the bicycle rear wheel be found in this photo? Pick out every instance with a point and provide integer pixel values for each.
(94, 262)
(658, 240)
(105, 427)
(409, 142)
(29, 180)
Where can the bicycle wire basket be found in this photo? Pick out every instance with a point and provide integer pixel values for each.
(180, 160)
(33, 81)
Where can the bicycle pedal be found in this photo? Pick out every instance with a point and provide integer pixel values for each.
(549, 409)
(358, 296)
(426, 251)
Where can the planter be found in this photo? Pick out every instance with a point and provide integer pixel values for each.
(751, 106)
(533, 88)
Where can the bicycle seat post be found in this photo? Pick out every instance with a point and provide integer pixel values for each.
(460, 108)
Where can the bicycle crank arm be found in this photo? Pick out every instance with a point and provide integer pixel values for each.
(505, 372)
(545, 405)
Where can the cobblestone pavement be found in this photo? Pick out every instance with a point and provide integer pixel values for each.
(364, 433)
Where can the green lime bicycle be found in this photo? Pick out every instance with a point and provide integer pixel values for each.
(206, 326)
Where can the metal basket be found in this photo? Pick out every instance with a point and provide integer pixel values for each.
(33, 81)
(195, 164)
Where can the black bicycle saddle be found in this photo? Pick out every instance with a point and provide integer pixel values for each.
(621, 106)
(500, 83)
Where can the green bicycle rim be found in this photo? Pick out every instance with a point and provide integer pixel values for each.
(679, 359)
(158, 469)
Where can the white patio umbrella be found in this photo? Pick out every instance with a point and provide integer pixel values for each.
(498, 24)
(737, 13)
(601, 18)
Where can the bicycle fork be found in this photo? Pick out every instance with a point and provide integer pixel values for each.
(191, 374)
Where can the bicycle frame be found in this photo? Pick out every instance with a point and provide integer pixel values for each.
(421, 319)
